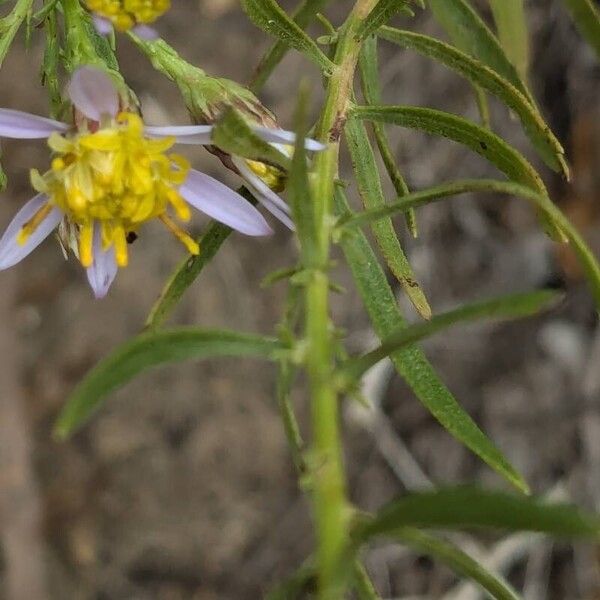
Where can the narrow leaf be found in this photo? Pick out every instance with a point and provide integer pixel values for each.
(552, 213)
(482, 141)
(369, 186)
(468, 31)
(467, 507)
(369, 77)
(511, 306)
(384, 10)
(270, 17)
(492, 147)
(365, 590)
(293, 588)
(303, 15)
(511, 24)
(587, 19)
(189, 270)
(411, 363)
(233, 135)
(150, 350)
(457, 560)
(486, 78)
(300, 193)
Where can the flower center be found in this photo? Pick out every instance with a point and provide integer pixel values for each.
(124, 14)
(117, 179)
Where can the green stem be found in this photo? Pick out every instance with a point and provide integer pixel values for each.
(285, 379)
(330, 505)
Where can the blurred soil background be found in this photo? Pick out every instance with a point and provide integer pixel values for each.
(181, 487)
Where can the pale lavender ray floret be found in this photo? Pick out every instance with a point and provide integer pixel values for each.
(11, 252)
(104, 27)
(93, 93)
(199, 189)
(101, 25)
(23, 126)
(104, 268)
(264, 194)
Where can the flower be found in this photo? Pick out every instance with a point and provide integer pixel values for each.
(125, 15)
(111, 174)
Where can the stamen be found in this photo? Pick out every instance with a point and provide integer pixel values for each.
(124, 14)
(120, 242)
(180, 205)
(182, 236)
(271, 175)
(33, 223)
(116, 179)
(86, 236)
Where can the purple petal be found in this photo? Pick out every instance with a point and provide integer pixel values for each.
(146, 33)
(276, 212)
(102, 26)
(93, 93)
(184, 134)
(281, 136)
(264, 194)
(21, 125)
(104, 268)
(223, 204)
(11, 252)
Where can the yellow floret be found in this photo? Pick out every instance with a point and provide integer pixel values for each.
(117, 179)
(124, 14)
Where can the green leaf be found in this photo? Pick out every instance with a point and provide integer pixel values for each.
(482, 141)
(303, 15)
(233, 135)
(384, 10)
(369, 186)
(10, 24)
(457, 560)
(468, 31)
(51, 60)
(299, 189)
(492, 147)
(410, 362)
(369, 74)
(301, 581)
(183, 277)
(511, 24)
(587, 19)
(365, 590)
(511, 306)
(269, 16)
(552, 213)
(150, 350)
(486, 78)
(468, 507)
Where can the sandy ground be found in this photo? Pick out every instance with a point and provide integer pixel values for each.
(182, 486)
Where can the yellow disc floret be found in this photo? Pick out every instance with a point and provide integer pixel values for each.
(125, 14)
(115, 179)
(272, 175)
